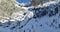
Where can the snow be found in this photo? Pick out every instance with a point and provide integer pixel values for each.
(31, 24)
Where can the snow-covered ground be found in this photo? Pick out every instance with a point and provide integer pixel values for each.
(45, 19)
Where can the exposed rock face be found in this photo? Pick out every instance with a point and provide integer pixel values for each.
(37, 2)
(8, 8)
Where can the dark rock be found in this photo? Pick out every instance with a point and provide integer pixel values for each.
(56, 10)
(59, 25)
(24, 31)
(55, 21)
(51, 13)
(1, 24)
(12, 27)
(40, 25)
(20, 27)
(44, 13)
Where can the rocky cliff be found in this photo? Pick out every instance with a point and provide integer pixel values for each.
(9, 9)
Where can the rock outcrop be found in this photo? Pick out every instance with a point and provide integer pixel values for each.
(39, 2)
(8, 8)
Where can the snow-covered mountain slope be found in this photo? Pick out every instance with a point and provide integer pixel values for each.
(45, 19)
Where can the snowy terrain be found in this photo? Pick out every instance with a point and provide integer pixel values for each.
(44, 19)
